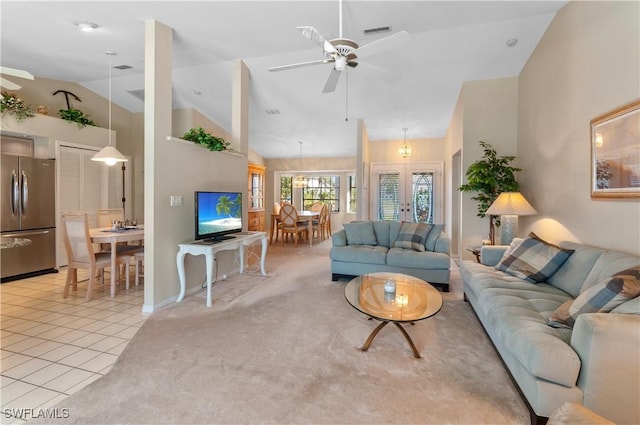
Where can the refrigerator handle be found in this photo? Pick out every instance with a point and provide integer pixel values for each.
(15, 193)
(25, 193)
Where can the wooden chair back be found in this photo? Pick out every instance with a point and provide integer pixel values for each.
(106, 216)
(288, 216)
(316, 207)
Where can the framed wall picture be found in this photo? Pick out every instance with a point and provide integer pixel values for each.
(615, 153)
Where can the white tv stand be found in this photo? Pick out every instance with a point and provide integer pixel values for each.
(238, 242)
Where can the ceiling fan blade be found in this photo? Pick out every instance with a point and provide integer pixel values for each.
(299, 65)
(382, 73)
(394, 41)
(332, 81)
(9, 85)
(16, 72)
(314, 35)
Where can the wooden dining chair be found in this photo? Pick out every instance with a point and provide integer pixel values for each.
(80, 254)
(276, 223)
(316, 207)
(290, 224)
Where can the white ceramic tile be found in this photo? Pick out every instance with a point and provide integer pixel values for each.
(88, 340)
(79, 357)
(26, 368)
(70, 336)
(39, 350)
(107, 343)
(15, 390)
(12, 338)
(34, 398)
(127, 333)
(46, 374)
(13, 361)
(99, 362)
(60, 353)
(25, 344)
(83, 384)
(5, 380)
(118, 349)
(68, 380)
(112, 329)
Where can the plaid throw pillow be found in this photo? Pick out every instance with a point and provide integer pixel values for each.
(600, 298)
(412, 236)
(534, 260)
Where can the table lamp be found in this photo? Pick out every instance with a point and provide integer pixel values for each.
(510, 205)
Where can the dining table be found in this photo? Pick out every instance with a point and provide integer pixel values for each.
(303, 216)
(107, 235)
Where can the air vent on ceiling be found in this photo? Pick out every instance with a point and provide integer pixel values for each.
(123, 67)
(272, 111)
(378, 30)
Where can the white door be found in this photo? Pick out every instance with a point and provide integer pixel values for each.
(407, 192)
(82, 186)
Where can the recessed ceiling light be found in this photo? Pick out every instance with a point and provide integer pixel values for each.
(272, 111)
(197, 92)
(86, 26)
(511, 42)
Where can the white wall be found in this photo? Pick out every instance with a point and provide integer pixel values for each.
(587, 63)
(487, 111)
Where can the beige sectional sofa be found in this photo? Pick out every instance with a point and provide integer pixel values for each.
(596, 363)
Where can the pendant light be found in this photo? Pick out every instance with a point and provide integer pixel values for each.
(405, 150)
(109, 154)
(300, 181)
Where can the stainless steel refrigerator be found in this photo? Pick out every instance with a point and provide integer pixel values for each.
(27, 217)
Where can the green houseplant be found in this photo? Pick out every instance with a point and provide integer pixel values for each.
(77, 116)
(489, 177)
(200, 136)
(12, 104)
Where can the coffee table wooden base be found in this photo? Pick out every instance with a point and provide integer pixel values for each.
(382, 324)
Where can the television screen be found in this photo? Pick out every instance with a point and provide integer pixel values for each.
(217, 214)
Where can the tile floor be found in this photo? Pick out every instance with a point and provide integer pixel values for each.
(52, 347)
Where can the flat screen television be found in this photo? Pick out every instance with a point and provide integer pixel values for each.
(217, 215)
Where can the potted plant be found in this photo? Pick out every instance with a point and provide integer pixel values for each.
(489, 177)
(200, 136)
(77, 116)
(12, 104)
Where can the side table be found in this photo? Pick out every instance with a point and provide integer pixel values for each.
(475, 250)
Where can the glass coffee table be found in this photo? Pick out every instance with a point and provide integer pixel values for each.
(393, 298)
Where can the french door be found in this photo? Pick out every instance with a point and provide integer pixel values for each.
(407, 192)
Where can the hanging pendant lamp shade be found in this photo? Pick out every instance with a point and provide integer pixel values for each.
(300, 181)
(405, 150)
(109, 154)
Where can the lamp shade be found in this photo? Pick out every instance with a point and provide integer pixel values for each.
(109, 155)
(511, 203)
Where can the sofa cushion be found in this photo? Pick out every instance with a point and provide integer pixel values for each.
(432, 237)
(366, 254)
(571, 276)
(382, 229)
(360, 233)
(534, 260)
(600, 298)
(412, 236)
(401, 257)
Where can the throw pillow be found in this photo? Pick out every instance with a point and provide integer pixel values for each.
(432, 237)
(514, 244)
(360, 233)
(600, 298)
(534, 260)
(412, 236)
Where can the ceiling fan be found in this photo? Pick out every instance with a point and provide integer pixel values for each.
(343, 52)
(10, 85)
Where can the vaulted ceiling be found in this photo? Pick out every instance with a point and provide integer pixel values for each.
(451, 42)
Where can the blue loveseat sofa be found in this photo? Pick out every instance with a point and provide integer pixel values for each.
(382, 246)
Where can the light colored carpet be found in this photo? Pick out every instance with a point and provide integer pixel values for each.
(285, 350)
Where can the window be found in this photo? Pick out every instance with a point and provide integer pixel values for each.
(286, 189)
(352, 195)
(325, 189)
